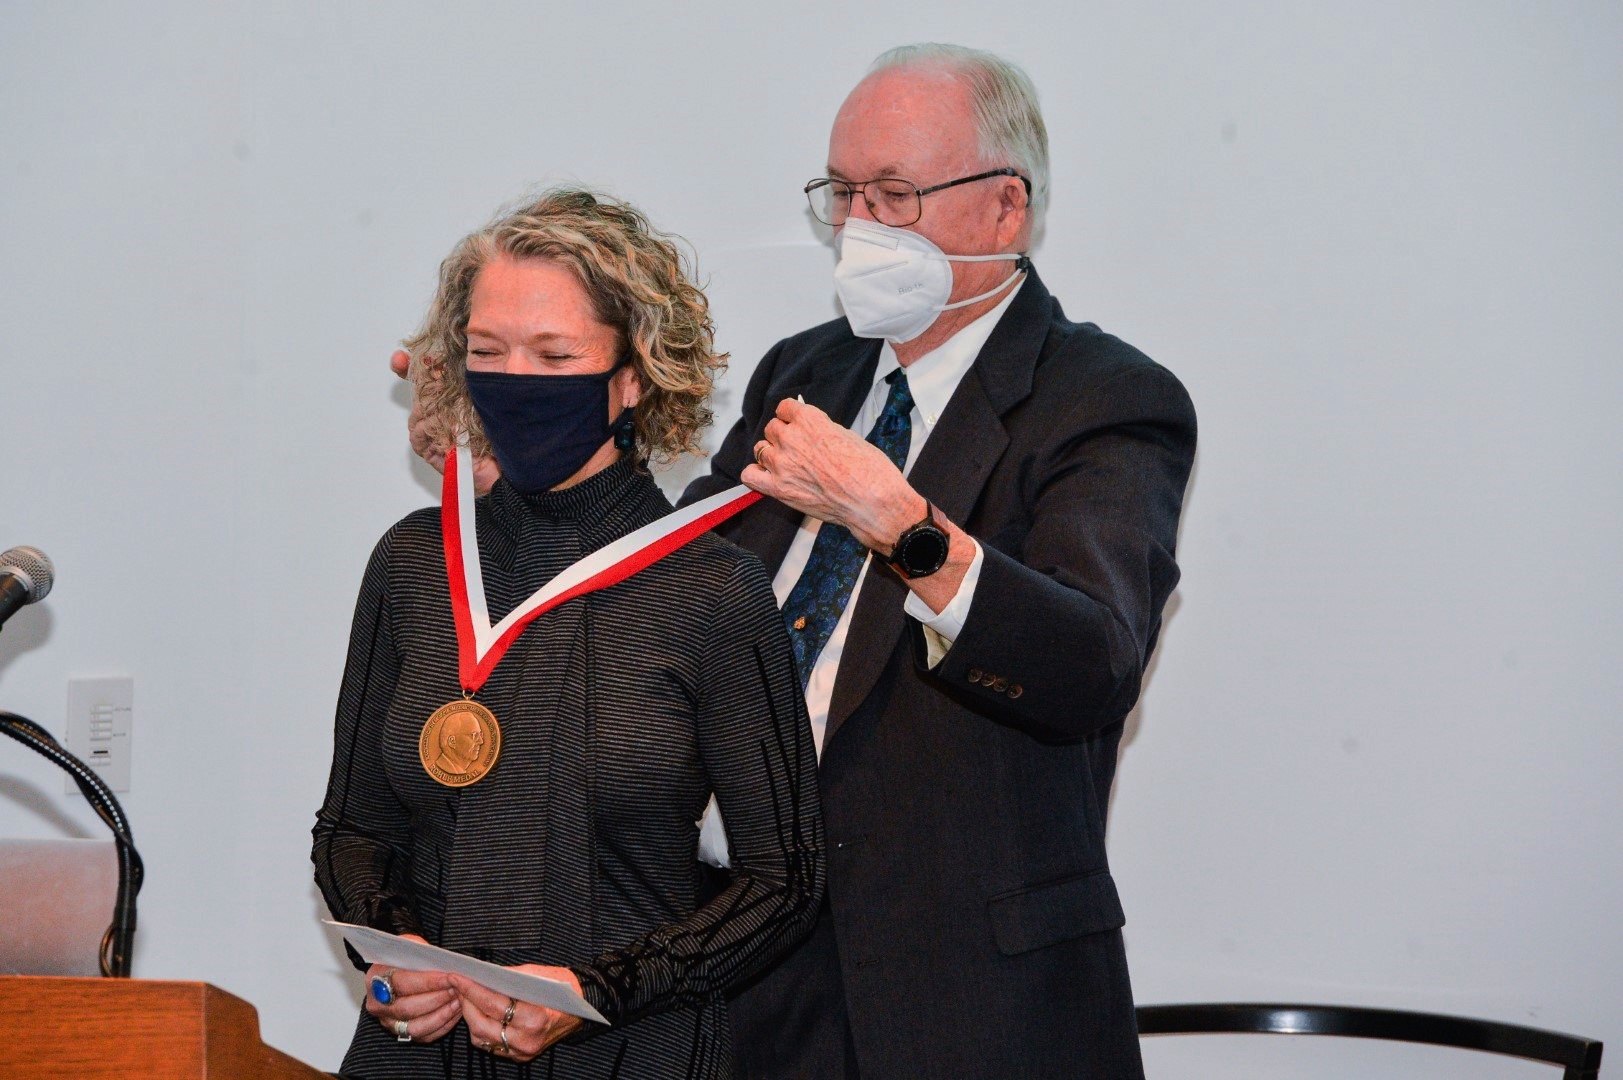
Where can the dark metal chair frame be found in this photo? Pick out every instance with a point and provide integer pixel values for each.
(1579, 1056)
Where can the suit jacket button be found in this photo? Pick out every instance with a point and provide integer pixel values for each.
(974, 674)
(1015, 691)
(1000, 684)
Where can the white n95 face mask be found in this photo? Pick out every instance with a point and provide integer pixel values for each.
(893, 283)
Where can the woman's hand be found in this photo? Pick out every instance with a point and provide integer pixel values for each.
(424, 1000)
(528, 1029)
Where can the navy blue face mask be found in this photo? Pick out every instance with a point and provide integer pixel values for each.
(543, 428)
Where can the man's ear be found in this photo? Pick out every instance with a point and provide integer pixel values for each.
(1014, 210)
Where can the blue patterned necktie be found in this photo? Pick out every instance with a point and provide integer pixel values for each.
(819, 597)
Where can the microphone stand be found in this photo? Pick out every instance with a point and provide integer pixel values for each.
(114, 954)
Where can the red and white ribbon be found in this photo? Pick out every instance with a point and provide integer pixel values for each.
(480, 646)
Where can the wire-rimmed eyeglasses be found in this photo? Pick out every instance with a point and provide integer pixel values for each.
(891, 200)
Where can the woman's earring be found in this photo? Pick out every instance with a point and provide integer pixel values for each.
(625, 432)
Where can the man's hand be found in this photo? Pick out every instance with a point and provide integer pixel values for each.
(485, 470)
(810, 463)
(531, 1028)
(424, 1000)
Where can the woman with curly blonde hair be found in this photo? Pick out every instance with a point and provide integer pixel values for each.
(566, 340)
(636, 283)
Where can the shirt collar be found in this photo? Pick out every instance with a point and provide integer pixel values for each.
(933, 377)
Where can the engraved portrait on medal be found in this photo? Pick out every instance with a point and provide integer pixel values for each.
(460, 743)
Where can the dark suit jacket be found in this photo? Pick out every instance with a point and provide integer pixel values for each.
(976, 920)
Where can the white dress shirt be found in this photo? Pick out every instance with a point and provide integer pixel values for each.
(932, 379)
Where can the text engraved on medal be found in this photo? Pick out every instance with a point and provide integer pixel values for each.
(460, 743)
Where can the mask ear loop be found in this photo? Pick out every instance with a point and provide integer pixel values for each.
(1021, 265)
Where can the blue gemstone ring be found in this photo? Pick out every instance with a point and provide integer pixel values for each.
(383, 987)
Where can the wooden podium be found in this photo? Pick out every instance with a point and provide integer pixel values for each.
(133, 1029)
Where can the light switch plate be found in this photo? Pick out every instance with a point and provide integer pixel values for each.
(99, 719)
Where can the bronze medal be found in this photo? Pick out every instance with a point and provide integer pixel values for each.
(460, 743)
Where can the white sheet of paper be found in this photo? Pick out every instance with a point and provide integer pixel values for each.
(377, 947)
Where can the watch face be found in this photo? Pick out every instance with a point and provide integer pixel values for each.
(924, 552)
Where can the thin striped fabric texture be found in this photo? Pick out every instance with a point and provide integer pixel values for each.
(621, 712)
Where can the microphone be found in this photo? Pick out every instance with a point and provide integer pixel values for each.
(26, 576)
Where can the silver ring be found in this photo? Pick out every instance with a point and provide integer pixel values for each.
(507, 1017)
(505, 1048)
(760, 447)
(402, 1031)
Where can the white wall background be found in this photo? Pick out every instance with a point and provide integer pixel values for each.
(1379, 759)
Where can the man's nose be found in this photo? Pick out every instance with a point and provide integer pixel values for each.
(860, 207)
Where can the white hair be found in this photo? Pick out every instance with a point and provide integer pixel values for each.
(1008, 121)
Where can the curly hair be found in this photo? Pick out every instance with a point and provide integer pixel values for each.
(639, 283)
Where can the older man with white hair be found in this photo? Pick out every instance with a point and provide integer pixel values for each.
(974, 507)
(973, 591)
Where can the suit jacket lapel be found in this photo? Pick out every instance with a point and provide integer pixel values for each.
(842, 380)
(950, 471)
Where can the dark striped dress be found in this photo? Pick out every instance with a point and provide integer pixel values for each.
(621, 712)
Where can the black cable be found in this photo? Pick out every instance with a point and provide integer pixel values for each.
(114, 955)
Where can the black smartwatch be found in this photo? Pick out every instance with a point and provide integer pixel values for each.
(921, 550)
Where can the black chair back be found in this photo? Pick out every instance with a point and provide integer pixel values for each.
(1580, 1057)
